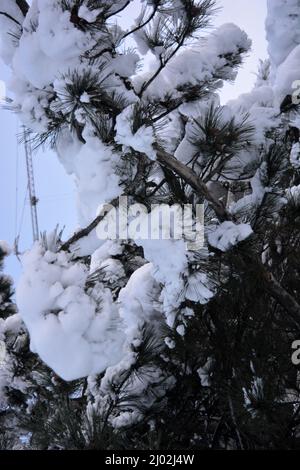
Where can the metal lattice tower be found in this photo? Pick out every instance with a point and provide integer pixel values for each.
(31, 185)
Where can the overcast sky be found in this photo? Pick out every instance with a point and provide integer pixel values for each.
(57, 204)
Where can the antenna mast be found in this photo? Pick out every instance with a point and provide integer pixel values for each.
(31, 185)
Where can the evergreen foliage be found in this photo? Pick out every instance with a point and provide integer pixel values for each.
(206, 358)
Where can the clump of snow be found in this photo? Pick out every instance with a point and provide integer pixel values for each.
(137, 300)
(204, 373)
(288, 73)
(142, 141)
(170, 343)
(51, 47)
(256, 196)
(125, 66)
(228, 235)
(109, 248)
(198, 288)
(75, 332)
(293, 194)
(259, 103)
(93, 166)
(85, 98)
(68, 329)
(88, 15)
(200, 64)
(283, 29)
(180, 330)
(169, 259)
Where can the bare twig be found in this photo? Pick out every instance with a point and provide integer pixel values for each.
(23, 5)
(119, 11)
(10, 17)
(131, 190)
(87, 230)
(142, 25)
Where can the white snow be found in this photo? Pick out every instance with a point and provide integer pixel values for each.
(228, 235)
(68, 329)
(142, 141)
(88, 15)
(200, 63)
(79, 330)
(85, 98)
(137, 300)
(283, 29)
(293, 194)
(199, 289)
(92, 165)
(288, 72)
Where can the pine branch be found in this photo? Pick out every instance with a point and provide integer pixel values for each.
(118, 11)
(188, 175)
(142, 25)
(10, 17)
(285, 299)
(278, 292)
(162, 65)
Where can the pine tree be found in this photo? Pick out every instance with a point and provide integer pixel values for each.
(37, 409)
(152, 345)
(8, 310)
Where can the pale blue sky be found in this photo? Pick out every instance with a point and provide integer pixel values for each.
(57, 204)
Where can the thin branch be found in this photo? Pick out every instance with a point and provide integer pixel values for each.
(142, 25)
(87, 230)
(194, 181)
(119, 11)
(10, 17)
(283, 297)
(131, 190)
(161, 67)
(163, 63)
(163, 181)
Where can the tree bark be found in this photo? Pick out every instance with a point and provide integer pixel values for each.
(194, 181)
